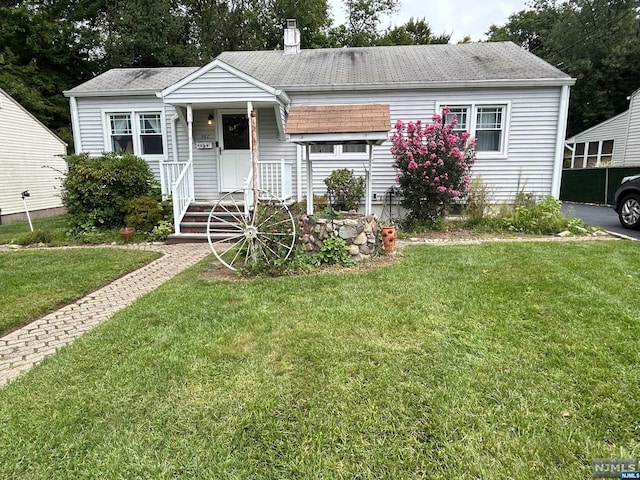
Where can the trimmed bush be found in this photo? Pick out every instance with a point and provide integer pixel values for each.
(143, 213)
(96, 189)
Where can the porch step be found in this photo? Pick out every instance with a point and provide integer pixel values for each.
(193, 228)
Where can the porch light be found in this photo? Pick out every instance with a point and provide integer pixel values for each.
(210, 120)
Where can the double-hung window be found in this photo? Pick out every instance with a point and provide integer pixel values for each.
(121, 133)
(487, 123)
(138, 133)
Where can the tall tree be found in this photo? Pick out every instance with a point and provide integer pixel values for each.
(363, 18)
(595, 41)
(414, 32)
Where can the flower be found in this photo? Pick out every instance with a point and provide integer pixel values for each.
(412, 165)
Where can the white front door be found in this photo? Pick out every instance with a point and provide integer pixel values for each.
(235, 152)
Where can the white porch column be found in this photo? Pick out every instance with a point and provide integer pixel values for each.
(190, 130)
(367, 202)
(309, 181)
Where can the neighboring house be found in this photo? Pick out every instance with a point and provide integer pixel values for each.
(613, 143)
(193, 125)
(31, 160)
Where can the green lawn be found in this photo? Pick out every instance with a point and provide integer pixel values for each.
(58, 225)
(455, 362)
(35, 282)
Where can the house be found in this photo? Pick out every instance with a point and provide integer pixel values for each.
(300, 114)
(27, 149)
(612, 143)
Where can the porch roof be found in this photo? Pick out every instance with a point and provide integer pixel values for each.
(333, 124)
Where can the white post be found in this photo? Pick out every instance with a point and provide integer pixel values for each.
(282, 181)
(367, 205)
(299, 173)
(560, 137)
(309, 181)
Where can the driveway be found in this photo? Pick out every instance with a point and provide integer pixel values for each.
(600, 216)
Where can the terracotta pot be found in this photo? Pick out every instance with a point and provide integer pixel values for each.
(389, 239)
(127, 233)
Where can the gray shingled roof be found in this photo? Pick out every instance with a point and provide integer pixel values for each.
(334, 67)
(143, 80)
(394, 64)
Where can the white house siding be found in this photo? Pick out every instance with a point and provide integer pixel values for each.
(271, 149)
(217, 86)
(26, 147)
(532, 131)
(92, 113)
(205, 161)
(613, 129)
(632, 152)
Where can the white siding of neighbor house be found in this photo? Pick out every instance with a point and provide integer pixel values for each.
(532, 134)
(92, 116)
(613, 129)
(632, 152)
(217, 86)
(27, 148)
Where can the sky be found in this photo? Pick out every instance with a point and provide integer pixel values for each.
(455, 17)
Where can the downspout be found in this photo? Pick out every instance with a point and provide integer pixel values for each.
(75, 125)
(561, 133)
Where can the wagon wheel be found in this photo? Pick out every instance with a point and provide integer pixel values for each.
(247, 232)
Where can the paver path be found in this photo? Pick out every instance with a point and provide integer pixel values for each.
(23, 348)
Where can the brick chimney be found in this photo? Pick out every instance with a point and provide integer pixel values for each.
(291, 38)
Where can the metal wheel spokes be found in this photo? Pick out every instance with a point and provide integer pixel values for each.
(240, 235)
(631, 211)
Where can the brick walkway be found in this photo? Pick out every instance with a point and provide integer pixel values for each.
(22, 349)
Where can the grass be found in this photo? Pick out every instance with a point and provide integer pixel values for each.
(455, 362)
(57, 225)
(35, 282)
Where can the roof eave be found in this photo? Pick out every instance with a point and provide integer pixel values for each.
(538, 82)
(109, 93)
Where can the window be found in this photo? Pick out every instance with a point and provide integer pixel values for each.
(489, 129)
(326, 149)
(348, 149)
(121, 135)
(484, 122)
(151, 134)
(461, 114)
(139, 133)
(593, 154)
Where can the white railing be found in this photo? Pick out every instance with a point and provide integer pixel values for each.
(170, 172)
(183, 193)
(276, 177)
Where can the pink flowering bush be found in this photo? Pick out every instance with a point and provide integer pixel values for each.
(433, 164)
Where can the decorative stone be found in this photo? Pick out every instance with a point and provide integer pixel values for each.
(365, 250)
(329, 228)
(354, 250)
(348, 232)
(308, 247)
(368, 228)
(360, 239)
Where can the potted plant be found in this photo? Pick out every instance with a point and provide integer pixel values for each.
(388, 233)
(127, 233)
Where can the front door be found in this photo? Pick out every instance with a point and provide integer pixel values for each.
(235, 152)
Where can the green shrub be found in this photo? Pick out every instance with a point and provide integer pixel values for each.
(477, 202)
(334, 251)
(161, 231)
(345, 189)
(143, 213)
(96, 189)
(36, 236)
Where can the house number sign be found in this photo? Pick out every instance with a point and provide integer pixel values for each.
(204, 145)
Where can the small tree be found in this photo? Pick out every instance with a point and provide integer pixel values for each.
(433, 164)
(96, 189)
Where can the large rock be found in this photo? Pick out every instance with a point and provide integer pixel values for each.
(360, 239)
(348, 232)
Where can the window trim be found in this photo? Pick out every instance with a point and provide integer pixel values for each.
(472, 119)
(134, 115)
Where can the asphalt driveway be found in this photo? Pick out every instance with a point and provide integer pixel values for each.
(601, 216)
